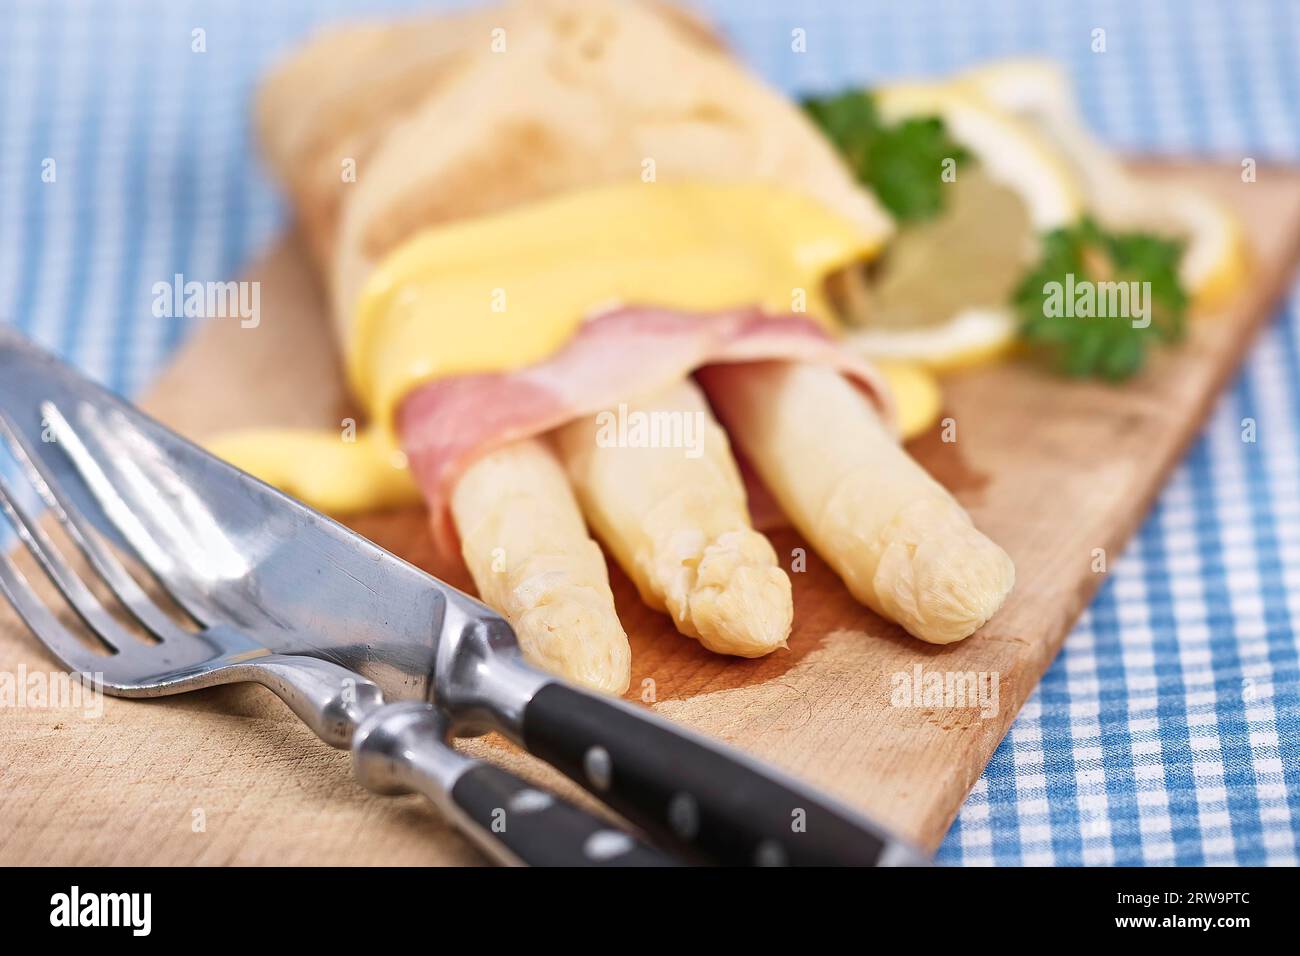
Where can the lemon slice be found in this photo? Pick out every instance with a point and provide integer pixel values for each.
(1038, 92)
(1216, 263)
(938, 296)
(1007, 149)
(970, 338)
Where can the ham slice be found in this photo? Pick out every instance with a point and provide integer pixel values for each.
(613, 357)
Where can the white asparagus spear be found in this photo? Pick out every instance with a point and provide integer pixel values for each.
(528, 550)
(675, 519)
(900, 541)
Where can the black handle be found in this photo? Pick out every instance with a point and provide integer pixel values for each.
(540, 829)
(713, 805)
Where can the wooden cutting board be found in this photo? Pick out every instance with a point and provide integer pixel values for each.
(1052, 470)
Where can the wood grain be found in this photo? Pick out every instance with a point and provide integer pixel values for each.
(1050, 469)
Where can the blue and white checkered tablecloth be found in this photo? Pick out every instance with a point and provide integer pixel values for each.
(1168, 731)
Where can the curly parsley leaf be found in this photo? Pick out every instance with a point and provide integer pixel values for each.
(902, 163)
(1095, 339)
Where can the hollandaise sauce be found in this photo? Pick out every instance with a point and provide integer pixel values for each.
(501, 292)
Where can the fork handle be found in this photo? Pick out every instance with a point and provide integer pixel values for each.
(537, 828)
(402, 748)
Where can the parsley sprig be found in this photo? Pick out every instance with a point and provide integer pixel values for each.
(901, 162)
(1104, 347)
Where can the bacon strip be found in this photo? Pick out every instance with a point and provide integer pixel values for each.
(621, 354)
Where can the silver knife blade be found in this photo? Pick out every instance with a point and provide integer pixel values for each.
(229, 546)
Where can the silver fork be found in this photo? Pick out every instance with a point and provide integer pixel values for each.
(397, 748)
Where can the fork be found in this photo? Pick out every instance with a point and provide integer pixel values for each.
(396, 748)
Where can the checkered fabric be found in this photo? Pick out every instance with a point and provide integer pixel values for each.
(1168, 731)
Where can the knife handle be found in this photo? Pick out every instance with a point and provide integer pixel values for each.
(402, 748)
(711, 804)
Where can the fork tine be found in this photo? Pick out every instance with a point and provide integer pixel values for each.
(65, 645)
(156, 534)
(105, 564)
(77, 594)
